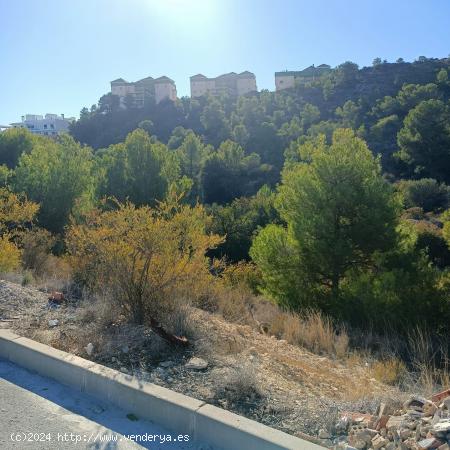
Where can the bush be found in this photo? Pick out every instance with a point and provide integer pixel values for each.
(390, 371)
(426, 193)
(145, 257)
(9, 255)
(36, 247)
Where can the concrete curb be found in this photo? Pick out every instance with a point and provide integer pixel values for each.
(177, 412)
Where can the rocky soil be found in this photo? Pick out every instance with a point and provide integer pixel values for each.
(230, 365)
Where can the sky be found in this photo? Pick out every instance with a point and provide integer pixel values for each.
(57, 56)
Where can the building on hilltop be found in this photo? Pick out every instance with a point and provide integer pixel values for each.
(50, 125)
(234, 84)
(140, 91)
(289, 78)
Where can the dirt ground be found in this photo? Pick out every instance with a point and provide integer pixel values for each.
(250, 373)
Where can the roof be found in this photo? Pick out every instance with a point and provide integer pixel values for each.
(199, 76)
(144, 80)
(119, 80)
(227, 75)
(164, 79)
(246, 74)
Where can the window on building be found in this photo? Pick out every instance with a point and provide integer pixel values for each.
(45, 126)
(52, 126)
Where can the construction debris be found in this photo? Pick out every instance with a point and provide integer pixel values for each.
(419, 424)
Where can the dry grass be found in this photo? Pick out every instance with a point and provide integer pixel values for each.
(313, 331)
(240, 386)
(390, 371)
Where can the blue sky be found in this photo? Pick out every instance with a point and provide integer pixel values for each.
(60, 55)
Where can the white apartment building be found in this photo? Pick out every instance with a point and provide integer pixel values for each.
(48, 125)
(139, 91)
(290, 78)
(232, 83)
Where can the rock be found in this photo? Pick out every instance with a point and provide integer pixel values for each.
(89, 348)
(379, 441)
(124, 370)
(53, 323)
(196, 364)
(324, 434)
(125, 349)
(444, 447)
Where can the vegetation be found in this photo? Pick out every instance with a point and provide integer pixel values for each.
(334, 194)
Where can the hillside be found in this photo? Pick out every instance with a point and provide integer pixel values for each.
(264, 378)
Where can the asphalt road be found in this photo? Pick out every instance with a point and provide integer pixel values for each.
(39, 413)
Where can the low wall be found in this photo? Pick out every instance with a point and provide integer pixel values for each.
(176, 412)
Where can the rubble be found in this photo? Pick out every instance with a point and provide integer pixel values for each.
(419, 424)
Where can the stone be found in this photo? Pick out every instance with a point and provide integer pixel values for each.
(324, 434)
(125, 349)
(196, 364)
(379, 441)
(53, 323)
(89, 348)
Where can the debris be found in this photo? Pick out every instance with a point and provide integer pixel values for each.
(56, 297)
(421, 424)
(53, 323)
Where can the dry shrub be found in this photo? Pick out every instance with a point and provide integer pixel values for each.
(313, 331)
(36, 247)
(240, 386)
(244, 274)
(9, 255)
(430, 362)
(145, 257)
(234, 304)
(389, 371)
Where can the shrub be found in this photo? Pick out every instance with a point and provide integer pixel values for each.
(9, 255)
(390, 371)
(426, 193)
(36, 247)
(312, 330)
(146, 257)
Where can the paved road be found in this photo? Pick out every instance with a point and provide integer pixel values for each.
(48, 412)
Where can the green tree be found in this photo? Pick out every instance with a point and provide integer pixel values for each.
(339, 213)
(424, 140)
(13, 143)
(58, 175)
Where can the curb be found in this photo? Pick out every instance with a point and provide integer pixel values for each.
(176, 412)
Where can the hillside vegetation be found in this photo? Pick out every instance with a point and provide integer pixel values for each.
(327, 203)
